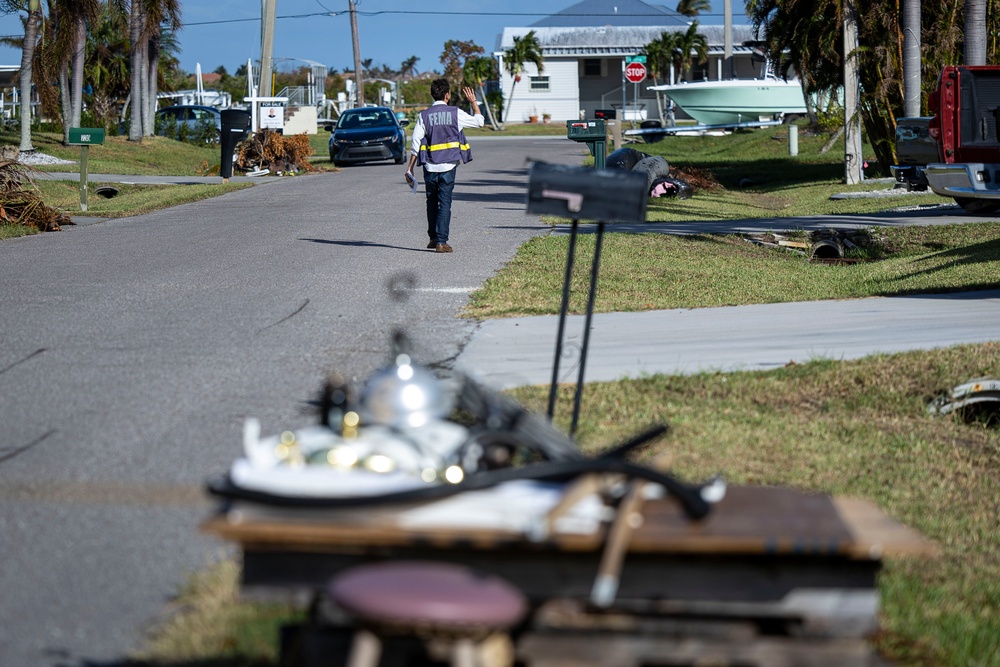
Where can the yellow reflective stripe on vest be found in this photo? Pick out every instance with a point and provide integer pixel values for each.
(450, 144)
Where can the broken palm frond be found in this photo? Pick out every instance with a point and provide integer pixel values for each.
(699, 179)
(275, 152)
(20, 203)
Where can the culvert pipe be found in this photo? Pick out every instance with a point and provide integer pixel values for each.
(826, 249)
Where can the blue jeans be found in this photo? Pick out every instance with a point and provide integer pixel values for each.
(439, 187)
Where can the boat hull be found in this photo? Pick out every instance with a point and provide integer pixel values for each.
(736, 101)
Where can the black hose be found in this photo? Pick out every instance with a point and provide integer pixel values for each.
(554, 471)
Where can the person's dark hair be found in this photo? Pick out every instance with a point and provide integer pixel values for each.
(439, 88)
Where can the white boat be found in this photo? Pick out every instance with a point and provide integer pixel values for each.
(734, 101)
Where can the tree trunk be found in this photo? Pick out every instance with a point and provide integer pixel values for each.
(79, 53)
(659, 102)
(136, 51)
(27, 58)
(65, 101)
(489, 112)
(144, 86)
(975, 32)
(152, 67)
(510, 98)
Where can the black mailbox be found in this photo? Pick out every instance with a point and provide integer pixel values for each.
(607, 114)
(235, 125)
(604, 195)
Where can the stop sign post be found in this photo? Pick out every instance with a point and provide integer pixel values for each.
(635, 72)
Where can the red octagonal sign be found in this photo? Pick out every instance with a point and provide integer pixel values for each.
(635, 72)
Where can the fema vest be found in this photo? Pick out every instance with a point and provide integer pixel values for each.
(443, 140)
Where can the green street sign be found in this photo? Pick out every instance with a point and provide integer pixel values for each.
(86, 136)
(635, 59)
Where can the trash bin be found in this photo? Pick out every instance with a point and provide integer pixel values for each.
(235, 126)
(651, 137)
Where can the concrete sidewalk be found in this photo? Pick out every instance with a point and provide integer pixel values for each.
(512, 352)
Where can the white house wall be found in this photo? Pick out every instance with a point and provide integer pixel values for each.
(561, 100)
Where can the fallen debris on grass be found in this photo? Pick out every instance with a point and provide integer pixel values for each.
(20, 202)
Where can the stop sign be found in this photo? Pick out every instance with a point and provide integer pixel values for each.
(635, 72)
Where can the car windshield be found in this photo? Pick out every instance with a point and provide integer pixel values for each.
(365, 119)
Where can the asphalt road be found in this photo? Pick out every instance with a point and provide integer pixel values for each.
(132, 350)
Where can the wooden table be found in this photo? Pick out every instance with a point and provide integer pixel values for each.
(772, 572)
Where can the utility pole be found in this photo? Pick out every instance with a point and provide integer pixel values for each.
(359, 78)
(852, 119)
(267, 13)
(727, 49)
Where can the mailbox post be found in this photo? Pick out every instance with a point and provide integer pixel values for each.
(601, 195)
(85, 137)
(594, 133)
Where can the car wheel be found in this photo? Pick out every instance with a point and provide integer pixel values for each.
(399, 160)
(978, 206)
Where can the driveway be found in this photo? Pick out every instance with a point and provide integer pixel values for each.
(133, 349)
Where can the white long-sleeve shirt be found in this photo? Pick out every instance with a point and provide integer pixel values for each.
(465, 121)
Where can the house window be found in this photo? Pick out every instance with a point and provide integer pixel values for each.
(540, 84)
(592, 67)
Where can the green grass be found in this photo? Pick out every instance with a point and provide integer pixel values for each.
(659, 271)
(154, 156)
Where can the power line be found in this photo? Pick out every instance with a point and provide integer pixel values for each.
(408, 12)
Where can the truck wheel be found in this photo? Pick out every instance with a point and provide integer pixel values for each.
(978, 206)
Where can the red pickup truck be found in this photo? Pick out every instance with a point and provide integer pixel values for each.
(966, 108)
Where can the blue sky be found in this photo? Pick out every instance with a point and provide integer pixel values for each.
(390, 31)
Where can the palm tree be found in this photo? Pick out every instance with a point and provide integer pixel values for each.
(477, 71)
(147, 20)
(693, 7)
(659, 60)
(526, 49)
(137, 65)
(65, 60)
(107, 64)
(163, 18)
(693, 47)
(409, 66)
(28, 44)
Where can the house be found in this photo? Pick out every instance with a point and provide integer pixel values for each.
(584, 48)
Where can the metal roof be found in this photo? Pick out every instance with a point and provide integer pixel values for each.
(619, 13)
(611, 40)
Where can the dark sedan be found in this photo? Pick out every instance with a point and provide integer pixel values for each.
(369, 134)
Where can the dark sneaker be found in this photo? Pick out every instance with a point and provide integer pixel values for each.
(432, 245)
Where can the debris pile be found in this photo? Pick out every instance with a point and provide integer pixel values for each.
(274, 152)
(20, 202)
(659, 182)
(827, 246)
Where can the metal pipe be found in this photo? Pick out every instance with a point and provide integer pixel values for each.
(598, 242)
(563, 309)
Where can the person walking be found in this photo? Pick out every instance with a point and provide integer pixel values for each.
(438, 145)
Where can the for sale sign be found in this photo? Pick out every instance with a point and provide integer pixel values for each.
(272, 115)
